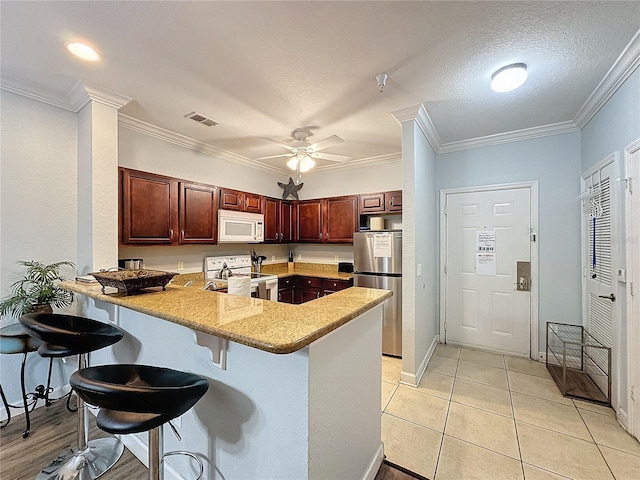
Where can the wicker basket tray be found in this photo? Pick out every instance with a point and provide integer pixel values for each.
(131, 281)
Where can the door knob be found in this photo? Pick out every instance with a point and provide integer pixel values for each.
(611, 297)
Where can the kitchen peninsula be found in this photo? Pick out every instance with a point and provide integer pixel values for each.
(294, 389)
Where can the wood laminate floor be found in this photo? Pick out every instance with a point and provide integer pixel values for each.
(53, 429)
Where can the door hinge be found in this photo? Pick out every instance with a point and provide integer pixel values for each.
(445, 325)
(633, 393)
(445, 210)
(628, 183)
(445, 269)
(631, 288)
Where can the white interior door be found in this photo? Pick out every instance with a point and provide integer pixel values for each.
(483, 307)
(600, 263)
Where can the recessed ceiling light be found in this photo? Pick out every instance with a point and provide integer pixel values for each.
(83, 51)
(509, 78)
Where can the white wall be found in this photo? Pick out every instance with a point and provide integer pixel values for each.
(615, 126)
(38, 206)
(554, 162)
(369, 179)
(419, 294)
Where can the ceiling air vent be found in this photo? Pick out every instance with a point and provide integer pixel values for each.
(201, 119)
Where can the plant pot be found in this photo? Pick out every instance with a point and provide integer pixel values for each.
(41, 308)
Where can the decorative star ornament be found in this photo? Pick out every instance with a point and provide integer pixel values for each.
(290, 189)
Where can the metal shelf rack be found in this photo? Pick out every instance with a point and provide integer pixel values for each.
(579, 364)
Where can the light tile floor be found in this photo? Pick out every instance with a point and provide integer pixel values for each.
(480, 415)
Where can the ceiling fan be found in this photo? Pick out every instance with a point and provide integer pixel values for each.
(303, 153)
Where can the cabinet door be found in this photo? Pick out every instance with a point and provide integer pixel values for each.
(341, 220)
(309, 221)
(394, 201)
(231, 199)
(149, 208)
(287, 295)
(271, 220)
(198, 213)
(252, 203)
(372, 203)
(287, 289)
(286, 221)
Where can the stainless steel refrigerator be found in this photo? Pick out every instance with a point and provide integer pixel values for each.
(377, 263)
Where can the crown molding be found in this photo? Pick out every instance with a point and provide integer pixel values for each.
(24, 88)
(422, 118)
(84, 92)
(622, 68)
(353, 164)
(160, 133)
(508, 137)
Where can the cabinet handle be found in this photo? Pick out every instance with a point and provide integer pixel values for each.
(171, 233)
(318, 294)
(182, 233)
(320, 235)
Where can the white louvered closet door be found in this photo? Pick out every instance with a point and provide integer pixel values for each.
(600, 268)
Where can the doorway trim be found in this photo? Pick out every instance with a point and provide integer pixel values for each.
(534, 352)
(632, 318)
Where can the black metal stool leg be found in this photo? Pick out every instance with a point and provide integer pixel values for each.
(25, 434)
(6, 407)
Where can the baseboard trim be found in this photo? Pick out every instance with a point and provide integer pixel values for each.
(414, 379)
(372, 470)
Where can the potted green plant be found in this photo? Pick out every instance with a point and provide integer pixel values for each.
(37, 290)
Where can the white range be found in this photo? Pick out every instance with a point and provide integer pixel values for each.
(263, 285)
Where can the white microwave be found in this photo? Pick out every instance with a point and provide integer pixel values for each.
(240, 227)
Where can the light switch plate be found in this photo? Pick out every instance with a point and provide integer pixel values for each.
(419, 272)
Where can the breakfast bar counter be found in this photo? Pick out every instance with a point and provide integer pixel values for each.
(262, 324)
(294, 390)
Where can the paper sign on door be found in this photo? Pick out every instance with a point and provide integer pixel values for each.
(485, 263)
(382, 245)
(486, 241)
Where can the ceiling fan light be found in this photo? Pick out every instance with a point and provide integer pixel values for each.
(509, 78)
(293, 163)
(83, 51)
(306, 164)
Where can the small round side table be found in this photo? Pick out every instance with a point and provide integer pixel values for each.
(15, 339)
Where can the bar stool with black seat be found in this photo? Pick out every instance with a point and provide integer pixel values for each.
(64, 336)
(139, 398)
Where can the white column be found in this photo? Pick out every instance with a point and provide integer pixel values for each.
(97, 175)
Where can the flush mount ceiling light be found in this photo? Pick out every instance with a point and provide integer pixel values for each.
(301, 162)
(83, 51)
(509, 78)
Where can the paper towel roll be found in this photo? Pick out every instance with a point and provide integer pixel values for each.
(377, 223)
(239, 286)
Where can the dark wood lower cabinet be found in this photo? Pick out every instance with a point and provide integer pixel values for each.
(299, 289)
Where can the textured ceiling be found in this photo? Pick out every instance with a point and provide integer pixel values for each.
(261, 69)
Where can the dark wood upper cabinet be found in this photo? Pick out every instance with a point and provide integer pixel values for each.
(253, 203)
(240, 201)
(309, 218)
(198, 213)
(278, 220)
(393, 201)
(149, 206)
(341, 219)
(380, 203)
(372, 203)
(327, 220)
(287, 221)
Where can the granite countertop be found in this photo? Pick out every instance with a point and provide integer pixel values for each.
(270, 326)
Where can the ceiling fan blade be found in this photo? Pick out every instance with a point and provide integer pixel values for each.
(331, 156)
(275, 156)
(326, 143)
(283, 145)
